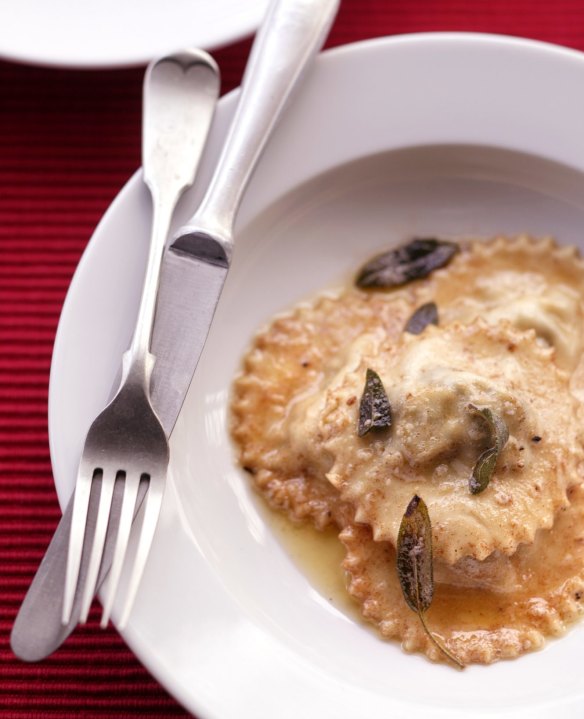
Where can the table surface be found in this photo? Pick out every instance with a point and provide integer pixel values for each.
(68, 141)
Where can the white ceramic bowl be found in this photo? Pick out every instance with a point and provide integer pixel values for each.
(428, 134)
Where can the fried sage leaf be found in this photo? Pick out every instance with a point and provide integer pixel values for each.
(374, 407)
(414, 556)
(412, 261)
(498, 436)
(415, 567)
(483, 471)
(425, 315)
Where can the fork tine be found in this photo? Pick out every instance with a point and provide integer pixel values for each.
(76, 537)
(105, 499)
(126, 514)
(152, 503)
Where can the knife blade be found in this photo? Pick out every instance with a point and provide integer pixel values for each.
(177, 343)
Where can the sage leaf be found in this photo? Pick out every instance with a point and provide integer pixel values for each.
(414, 556)
(483, 471)
(415, 566)
(425, 315)
(374, 407)
(412, 261)
(486, 463)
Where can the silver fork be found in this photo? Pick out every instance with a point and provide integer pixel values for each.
(126, 443)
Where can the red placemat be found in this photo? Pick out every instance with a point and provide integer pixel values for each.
(68, 141)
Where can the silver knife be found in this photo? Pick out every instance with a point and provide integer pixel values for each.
(194, 269)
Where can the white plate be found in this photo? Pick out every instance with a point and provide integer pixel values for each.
(113, 33)
(439, 134)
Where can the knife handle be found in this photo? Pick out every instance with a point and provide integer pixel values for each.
(291, 34)
(37, 630)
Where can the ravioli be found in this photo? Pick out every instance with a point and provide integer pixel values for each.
(294, 357)
(532, 283)
(478, 623)
(431, 380)
(508, 561)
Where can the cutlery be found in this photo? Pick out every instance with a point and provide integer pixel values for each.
(195, 266)
(179, 98)
(126, 444)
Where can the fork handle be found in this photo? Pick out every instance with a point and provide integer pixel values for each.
(138, 360)
(179, 95)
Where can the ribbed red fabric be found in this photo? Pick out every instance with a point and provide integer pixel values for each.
(68, 141)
